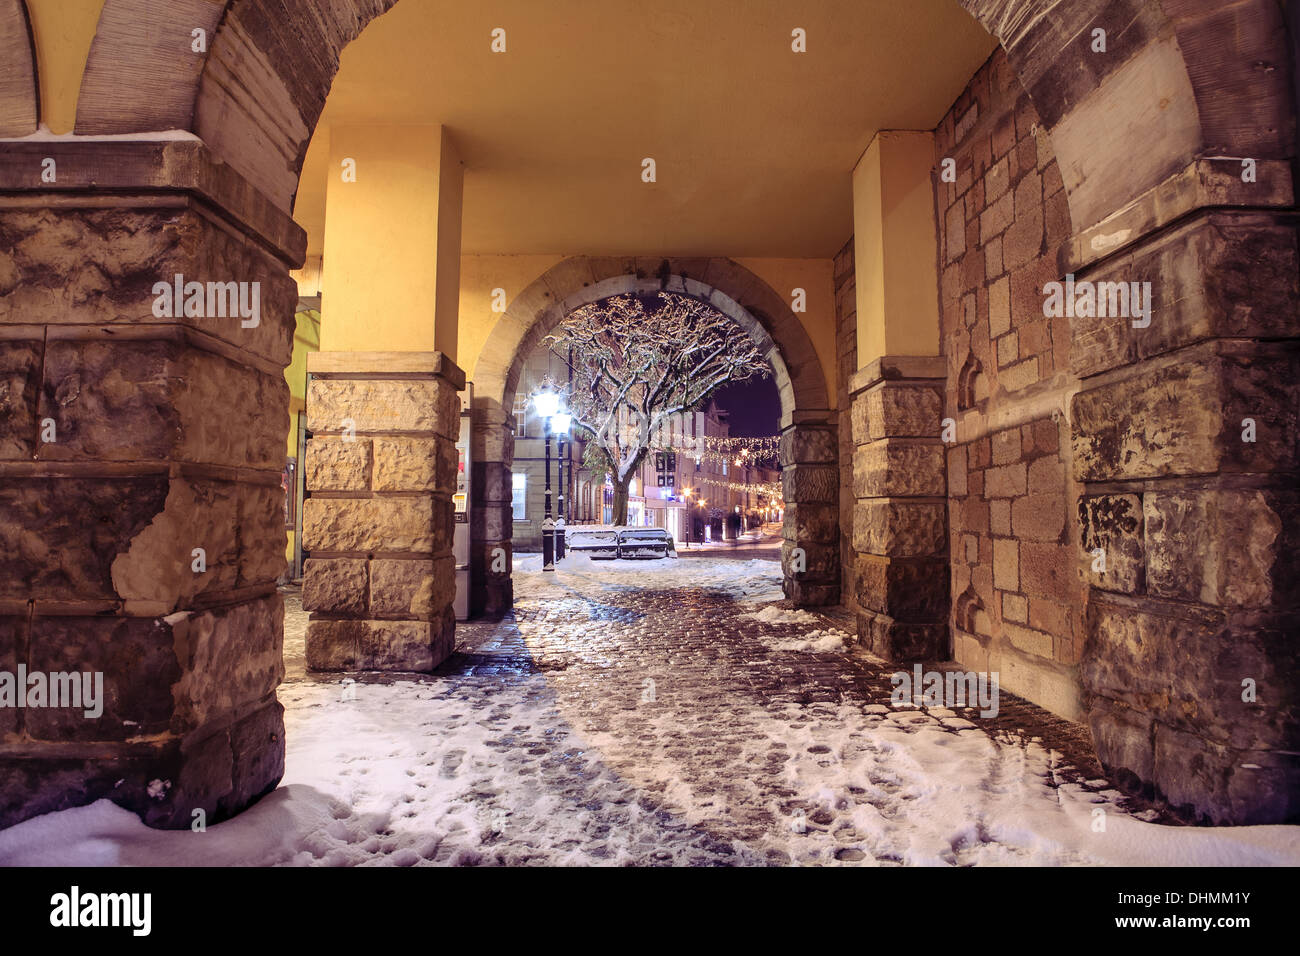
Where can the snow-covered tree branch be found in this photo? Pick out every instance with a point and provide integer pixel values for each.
(635, 367)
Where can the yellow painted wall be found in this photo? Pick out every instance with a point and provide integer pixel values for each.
(817, 278)
(451, 186)
(63, 31)
(911, 249)
(479, 275)
(868, 255)
(381, 275)
(895, 247)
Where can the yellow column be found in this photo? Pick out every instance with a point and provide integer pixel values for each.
(63, 31)
(391, 270)
(895, 247)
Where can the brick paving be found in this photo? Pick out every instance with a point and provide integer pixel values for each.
(679, 732)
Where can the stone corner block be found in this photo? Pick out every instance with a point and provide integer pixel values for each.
(338, 464)
(334, 586)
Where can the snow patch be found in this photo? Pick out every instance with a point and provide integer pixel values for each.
(780, 615)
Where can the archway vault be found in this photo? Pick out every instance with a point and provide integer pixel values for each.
(809, 452)
(1167, 90)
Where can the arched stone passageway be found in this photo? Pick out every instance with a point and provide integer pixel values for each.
(809, 456)
(164, 442)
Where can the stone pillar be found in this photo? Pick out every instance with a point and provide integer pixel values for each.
(141, 447)
(378, 523)
(1185, 440)
(491, 516)
(900, 515)
(900, 511)
(810, 557)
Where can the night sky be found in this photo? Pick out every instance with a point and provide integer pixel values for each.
(755, 407)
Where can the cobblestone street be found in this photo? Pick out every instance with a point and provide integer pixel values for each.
(655, 713)
(610, 719)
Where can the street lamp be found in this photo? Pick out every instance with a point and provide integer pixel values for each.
(560, 423)
(547, 404)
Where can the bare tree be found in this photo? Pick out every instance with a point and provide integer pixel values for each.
(635, 368)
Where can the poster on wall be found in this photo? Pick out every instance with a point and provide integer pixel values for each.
(460, 498)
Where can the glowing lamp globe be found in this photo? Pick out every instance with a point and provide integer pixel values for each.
(547, 403)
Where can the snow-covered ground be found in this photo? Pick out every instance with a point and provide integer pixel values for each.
(749, 581)
(501, 762)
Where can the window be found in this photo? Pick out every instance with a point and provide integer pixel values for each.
(519, 496)
(666, 469)
(521, 416)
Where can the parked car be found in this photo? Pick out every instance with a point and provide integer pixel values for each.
(608, 541)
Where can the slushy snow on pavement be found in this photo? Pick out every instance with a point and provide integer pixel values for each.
(648, 713)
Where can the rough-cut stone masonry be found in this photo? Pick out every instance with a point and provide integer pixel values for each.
(141, 530)
(846, 346)
(811, 486)
(1087, 439)
(380, 471)
(1017, 596)
(900, 566)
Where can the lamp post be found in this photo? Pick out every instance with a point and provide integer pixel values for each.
(547, 404)
(689, 512)
(560, 423)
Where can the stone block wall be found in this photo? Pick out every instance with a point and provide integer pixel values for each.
(810, 479)
(846, 345)
(1017, 596)
(900, 559)
(1188, 467)
(380, 469)
(1122, 497)
(141, 521)
(491, 520)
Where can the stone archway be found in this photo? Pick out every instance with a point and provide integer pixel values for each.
(809, 454)
(18, 108)
(1140, 132)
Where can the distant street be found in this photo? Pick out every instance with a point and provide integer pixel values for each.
(762, 544)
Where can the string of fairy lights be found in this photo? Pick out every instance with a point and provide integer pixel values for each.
(756, 452)
(770, 490)
(761, 452)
